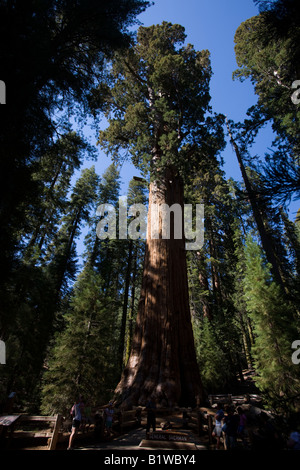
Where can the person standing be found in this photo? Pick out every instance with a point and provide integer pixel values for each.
(294, 441)
(217, 432)
(231, 422)
(108, 418)
(151, 414)
(242, 424)
(76, 413)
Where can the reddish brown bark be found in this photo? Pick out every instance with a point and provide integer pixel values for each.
(163, 359)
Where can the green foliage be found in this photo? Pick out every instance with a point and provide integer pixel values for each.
(60, 254)
(61, 48)
(158, 102)
(213, 363)
(267, 52)
(275, 328)
(41, 282)
(52, 173)
(29, 324)
(213, 277)
(82, 360)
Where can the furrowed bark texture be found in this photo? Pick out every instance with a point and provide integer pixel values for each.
(163, 360)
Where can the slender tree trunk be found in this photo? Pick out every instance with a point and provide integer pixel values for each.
(131, 311)
(163, 359)
(125, 307)
(246, 340)
(216, 285)
(266, 240)
(203, 281)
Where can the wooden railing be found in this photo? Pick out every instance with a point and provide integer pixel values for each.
(35, 427)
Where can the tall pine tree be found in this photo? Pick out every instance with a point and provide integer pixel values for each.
(275, 328)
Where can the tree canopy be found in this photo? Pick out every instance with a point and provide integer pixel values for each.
(158, 103)
(54, 51)
(267, 51)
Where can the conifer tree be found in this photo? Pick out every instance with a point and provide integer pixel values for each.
(92, 338)
(243, 319)
(275, 328)
(53, 173)
(108, 256)
(61, 264)
(292, 243)
(212, 275)
(27, 306)
(39, 290)
(82, 359)
(135, 248)
(256, 202)
(267, 52)
(89, 337)
(99, 251)
(213, 362)
(60, 47)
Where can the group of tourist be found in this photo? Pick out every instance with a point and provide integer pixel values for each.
(81, 415)
(232, 424)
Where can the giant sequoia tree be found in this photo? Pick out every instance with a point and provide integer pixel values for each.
(157, 107)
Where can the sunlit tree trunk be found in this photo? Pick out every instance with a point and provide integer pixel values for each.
(163, 359)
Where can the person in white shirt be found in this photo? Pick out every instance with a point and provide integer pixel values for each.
(76, 412)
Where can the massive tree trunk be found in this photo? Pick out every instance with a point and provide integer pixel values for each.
(163, 360)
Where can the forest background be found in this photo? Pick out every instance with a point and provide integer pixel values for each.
(68, 301)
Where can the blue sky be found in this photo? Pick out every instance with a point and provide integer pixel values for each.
(209, 24)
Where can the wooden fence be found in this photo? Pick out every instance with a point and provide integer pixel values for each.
(54, 431)
(28, 428)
